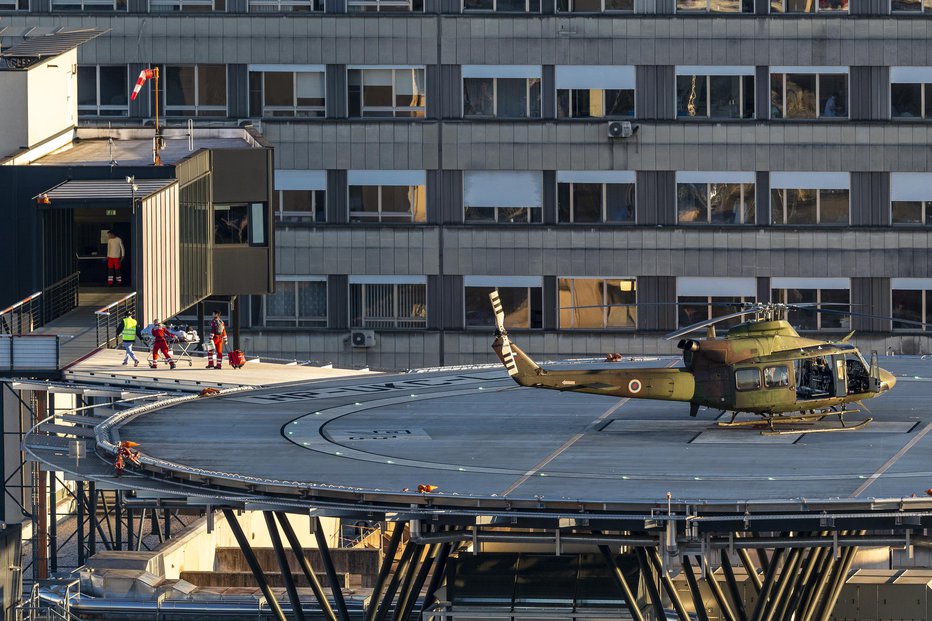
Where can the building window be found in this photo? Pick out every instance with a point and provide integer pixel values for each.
(809, 6)
(387, 196)
(501, 91)
(704, 298)
(589, 197)
(714, 6)
(502, 6)
(14, 5)
(193, 90)
(400, 303)
(231, 224)
(286, 93)
(502, 196)
(715, 198)
(597, 303)
(285, 6)
(298, 302)
(911, 6)
(300, 196)
(88, 5)
(911, 92)
(386, 92)
(911, 199)
(585, 92)
(831, 294)
(384, 6)
(595, 6)
(911, 302)
(103, 90)
(809, 198)
(711, 93)
(805, 93)
(521, 299)
(187, 6)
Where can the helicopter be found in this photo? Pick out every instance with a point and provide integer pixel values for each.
(761, 367)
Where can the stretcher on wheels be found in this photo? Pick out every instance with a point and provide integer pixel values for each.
(180, 344)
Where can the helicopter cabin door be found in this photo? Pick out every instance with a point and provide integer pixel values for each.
(841, 376)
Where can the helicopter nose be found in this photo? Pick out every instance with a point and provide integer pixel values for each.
(887, 380)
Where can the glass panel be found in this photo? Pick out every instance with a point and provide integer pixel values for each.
(619, 5)
(692, 5)
(512, 98)
(621, 298)
(281, 304)
(212, 85)
(279, 89)
(802, 319)
(776, 377)
(396, 199)
(620, 202)
(231, 224)
(833, 206)
(619, 103)
(513, 6)
(563, 103)
(113, 86)
(87, 86)
(691, 100)
(515, 301)
(692, 309)
(748, 108)
(833, 5)
(691, 203)
(907, 212)
(907, 305)
(179, 86)
(478, 5)
(835, 299)
(801, 206)
(928, 88)
(312, 301)
(564, 208)
(377, 88)
(906, 100)
(587, 6)
(478, 97)
(258, 219)
(906, 5)
(479, 214)
(581, 303)
(833, 95)
(587, 202)
(747, 379)
(776, 95)
(364, 203)
(586, 103)
(409, 88)
(725, 203)
(725, 96)
(750, 204)
(533, 87)
(800, 96)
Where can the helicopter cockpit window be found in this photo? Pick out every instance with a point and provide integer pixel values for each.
(858, 375)
(814, 378)
(747, 379)
(776, 377)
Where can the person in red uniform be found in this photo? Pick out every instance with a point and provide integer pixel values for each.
(218, 337)
(115, 254)
(160, 335)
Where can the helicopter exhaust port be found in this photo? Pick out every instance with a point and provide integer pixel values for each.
(688, 345)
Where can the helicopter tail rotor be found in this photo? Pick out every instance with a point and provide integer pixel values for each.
(507, 354)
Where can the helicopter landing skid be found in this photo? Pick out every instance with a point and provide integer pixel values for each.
(772, 422)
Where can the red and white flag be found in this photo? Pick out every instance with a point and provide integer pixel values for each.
(144, 75)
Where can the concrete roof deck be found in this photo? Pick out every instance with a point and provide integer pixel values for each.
(477, 436)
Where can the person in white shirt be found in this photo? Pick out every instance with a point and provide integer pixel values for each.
(115, 254)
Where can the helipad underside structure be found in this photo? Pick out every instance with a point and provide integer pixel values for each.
(515, 464)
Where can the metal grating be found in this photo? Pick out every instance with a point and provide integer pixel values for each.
(106, 189)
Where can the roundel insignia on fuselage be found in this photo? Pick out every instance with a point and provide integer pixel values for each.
(634, 386)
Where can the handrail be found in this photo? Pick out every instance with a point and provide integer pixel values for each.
(25, 300)
(106, 309)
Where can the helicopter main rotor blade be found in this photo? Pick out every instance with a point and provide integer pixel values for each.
(507, 353)
(920, 324)
(709, 322)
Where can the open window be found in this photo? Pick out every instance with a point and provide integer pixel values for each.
(814, 378)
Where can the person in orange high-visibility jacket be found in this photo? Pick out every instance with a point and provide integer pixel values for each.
(218, 338)
(160, 335)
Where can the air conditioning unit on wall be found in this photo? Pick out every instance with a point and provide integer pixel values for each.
(362, 338)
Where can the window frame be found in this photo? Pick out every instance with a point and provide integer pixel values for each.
(384, 6)
(527, 8)
(171, 6)
(98, 107)
(603, 286)
(782, 287)
(278, 6)
(817, 73)
(395, 282)
(603, 178)
(911, 188)
(569, 11)
(717, 178)
(818, 222)
(316, 112)
(816, 10)
(768, 386)
(759, 385)
(741, 72)
(198, 107)
(386, 179)
(924, 287)
(504, 72)
(297, 321)
(394, 108)
(922, 9)
(708, 9)
(14, 6)
(529, 283)
(794, 180)
(89, 6)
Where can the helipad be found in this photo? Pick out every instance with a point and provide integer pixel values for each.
(484, 442)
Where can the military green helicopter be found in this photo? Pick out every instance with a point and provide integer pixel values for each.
(761, 367)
